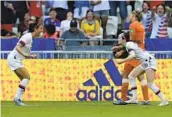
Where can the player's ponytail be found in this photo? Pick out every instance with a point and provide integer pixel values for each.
(33, 26)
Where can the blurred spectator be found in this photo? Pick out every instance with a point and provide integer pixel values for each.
(39, 20)
(7, 35)
(169, 29)
(53, 20)
(61, 8)
(91, 27)
(35, 8)
(73, 33)
(24, 25)
(132, 3)
(147, 19)
(159, 29)
(123, 10)
(81, 8)
(138, 5)
(101, 11)
(19, 9)
(65, 24)
(71, 5)
(48, 5)
(168, 3)
(6, 11)
(50, 32)
(154, 3)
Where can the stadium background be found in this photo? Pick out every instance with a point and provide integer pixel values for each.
(60, 79)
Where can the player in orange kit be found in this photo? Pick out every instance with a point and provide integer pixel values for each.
(137, 34)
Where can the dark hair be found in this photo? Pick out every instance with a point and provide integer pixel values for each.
(126, 36)
(73, 23)
(52, 9)
(138, 15)
(162, 6)
(89, 10)
(146, 3)
(33, 26)
(50, 29)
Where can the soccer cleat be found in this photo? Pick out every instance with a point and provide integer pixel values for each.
(144, 103)
(19, 102)
(163, 103)
(132, 101)
(120, 102)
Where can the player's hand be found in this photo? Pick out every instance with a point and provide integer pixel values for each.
(119, 61)
(33, 56)
(114, 48)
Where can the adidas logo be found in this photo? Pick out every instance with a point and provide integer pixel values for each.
(99, 94)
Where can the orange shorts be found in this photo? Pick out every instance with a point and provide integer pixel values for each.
(130, 65)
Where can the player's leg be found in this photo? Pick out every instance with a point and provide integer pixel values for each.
(150, 74)
(125, 81)
(144, 89)
(132, 78)
(144, 86)
(24, 76)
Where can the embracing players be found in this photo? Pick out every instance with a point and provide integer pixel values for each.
(137, 34)
(147, 65)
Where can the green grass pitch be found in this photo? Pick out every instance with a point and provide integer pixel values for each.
(83, 109)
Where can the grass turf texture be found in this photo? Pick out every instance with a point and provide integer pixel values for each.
(83, 109)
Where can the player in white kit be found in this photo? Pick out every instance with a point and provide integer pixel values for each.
(20, 52)
(148, 65)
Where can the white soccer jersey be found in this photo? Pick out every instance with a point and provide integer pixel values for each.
(140, 53)
(26, 41)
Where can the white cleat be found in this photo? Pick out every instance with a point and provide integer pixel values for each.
(163, 103)
(132, 101)
(19, 102)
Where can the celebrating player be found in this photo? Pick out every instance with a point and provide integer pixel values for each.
(20, 52)
(137, 33)
(148, 65)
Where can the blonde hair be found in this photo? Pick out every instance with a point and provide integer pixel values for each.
(138, 15)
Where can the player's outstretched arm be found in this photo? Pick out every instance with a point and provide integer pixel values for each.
(131, 56)
(118, 47)
(19, 50)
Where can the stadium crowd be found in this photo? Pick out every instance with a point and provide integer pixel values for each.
(89, 18)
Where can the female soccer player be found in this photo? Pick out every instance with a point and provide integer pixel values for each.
(20, 52)
(137, 33)
(148, 66)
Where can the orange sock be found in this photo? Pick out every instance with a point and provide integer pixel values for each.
(124, 89)
(145, 92)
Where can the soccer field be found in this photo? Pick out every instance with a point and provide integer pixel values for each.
(83, 109)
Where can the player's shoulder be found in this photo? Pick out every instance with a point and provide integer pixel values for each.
(140, 27)
(132, 25)
(130, 44)
(27, 36)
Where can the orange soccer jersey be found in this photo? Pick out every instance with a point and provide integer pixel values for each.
(137, 33)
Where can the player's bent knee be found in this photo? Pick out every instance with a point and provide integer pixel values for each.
(131, 76)
(149, 84)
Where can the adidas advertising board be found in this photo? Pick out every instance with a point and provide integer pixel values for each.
(98, 94)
